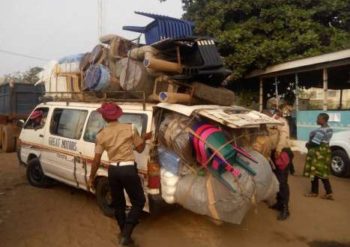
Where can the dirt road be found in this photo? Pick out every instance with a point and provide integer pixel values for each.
(64, 216)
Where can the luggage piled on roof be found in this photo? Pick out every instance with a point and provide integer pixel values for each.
(203, 165)
(173, 66)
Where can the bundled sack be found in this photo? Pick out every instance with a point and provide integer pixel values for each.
(210, 196)
(133, 76)
(262, 144)
(207, 196)
(119, 46)
(98, 55)
(172, 135)
(266, 182)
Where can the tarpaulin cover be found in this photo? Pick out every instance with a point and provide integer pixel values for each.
(207, 196)
(193, 193)
(266, 182)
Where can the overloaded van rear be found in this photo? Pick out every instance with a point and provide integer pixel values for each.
(201, 155)
(213, 172)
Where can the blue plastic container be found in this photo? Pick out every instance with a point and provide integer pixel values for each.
(97, 78)
(169, 160)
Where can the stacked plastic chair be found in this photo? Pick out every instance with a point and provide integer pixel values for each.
(217, 154)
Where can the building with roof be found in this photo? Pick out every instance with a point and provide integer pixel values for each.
(317, 84)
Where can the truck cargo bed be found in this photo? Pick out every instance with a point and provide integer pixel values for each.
(18, 100)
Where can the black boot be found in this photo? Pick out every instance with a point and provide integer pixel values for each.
(277, 206)
(284, 213)
(120, 217)
(126, 235)
(121, 228)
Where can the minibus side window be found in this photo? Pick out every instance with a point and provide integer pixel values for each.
(68, 123)
(96, 123)
(37, 123)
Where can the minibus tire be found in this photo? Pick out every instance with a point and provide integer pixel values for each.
(103, 196)
(8, 139)
(1, 127)
(36, 176)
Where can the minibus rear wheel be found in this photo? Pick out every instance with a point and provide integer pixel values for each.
(103, 196)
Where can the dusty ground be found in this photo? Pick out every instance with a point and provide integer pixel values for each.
(63, 216)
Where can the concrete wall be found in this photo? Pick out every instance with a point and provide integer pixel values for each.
(306, 122)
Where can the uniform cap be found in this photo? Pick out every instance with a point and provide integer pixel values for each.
(110, 111)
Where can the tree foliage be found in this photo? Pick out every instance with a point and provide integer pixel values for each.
(29, 76)
(253, 34)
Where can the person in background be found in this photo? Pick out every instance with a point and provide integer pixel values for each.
(289, 114)
(282, 157)
(318, 158)
(36, 119)
(119, 141)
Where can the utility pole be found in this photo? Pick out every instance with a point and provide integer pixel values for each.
(99, 18)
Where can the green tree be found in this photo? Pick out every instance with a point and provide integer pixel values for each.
(29, 76)
(253, 34)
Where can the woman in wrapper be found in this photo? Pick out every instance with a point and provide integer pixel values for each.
(318, 159)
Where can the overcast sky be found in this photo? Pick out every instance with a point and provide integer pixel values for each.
(52, 29)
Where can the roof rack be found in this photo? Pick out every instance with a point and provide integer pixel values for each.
(96, 97)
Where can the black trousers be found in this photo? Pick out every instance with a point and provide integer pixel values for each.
(283, 193)
(326, 184)
(126, 177)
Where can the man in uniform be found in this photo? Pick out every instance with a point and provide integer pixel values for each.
(119, 141)
(282, 157)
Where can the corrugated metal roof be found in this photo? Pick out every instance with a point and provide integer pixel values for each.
(231, 116)
(321, 59)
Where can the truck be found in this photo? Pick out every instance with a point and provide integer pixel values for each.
(17, 100)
